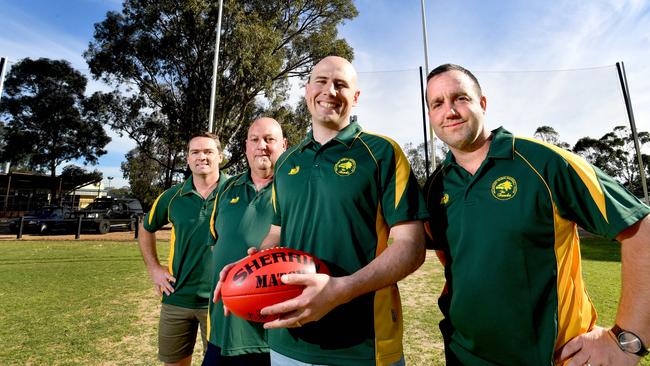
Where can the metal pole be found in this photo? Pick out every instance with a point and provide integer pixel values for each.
(214, 69)
(21, 224)
(3, 66)
(620, 67)
(8, 188)
(137, 226)
(426, 70)
(78, 229)
(424, 123)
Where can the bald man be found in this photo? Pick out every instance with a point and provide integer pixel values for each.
(240, 219)
(340, 194)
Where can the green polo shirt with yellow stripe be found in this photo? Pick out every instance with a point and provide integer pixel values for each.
(515, 292)
(241, 219)
(189, 251)
(338, 201)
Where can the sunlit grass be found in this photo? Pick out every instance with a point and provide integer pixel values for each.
(91, 303)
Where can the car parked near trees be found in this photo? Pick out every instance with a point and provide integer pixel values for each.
(44, 220)
(105, 213)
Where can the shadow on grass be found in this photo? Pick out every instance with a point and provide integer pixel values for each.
(600, 249)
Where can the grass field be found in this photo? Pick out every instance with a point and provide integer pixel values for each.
(91, 303)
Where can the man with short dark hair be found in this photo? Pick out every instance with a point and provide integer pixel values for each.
(184, 284)
(504, 217)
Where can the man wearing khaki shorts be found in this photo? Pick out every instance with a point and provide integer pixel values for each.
(184, 284)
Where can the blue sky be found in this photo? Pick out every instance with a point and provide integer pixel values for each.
(539, 62)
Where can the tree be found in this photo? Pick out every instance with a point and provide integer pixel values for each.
(549, 135)
(145, 178)
(45, 116)
(415, 155)
(124, 192)
(161, 53)
(79, 176)
(615, 154)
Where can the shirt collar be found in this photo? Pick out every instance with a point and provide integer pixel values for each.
(188, 186)
(244, 178)
(346, 136)
(502, 146)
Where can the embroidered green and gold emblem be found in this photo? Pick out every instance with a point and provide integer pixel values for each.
(345, 166)
(504, 188)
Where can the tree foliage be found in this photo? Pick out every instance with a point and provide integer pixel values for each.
(145, 177)
(45, 116)
(79, 176)
(549, 135)
(615, 154)
(159, 56)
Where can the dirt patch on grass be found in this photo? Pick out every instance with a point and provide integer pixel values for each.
(163, 234)
(140, 347)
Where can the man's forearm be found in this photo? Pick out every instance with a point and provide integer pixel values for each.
(147, 243)
(634, 308)
(401, 258)
(272, 239)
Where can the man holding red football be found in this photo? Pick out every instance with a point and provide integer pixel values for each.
(241, 218)
(348, 197)
(504, 217)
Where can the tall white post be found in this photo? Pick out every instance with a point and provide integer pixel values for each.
(214, 69)
(432, 138)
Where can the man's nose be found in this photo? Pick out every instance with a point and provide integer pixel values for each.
(329, 88)
(451, 111)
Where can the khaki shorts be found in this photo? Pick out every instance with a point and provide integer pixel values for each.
(177, 331)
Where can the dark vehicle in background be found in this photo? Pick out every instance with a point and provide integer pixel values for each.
(105, 213)
(44, 220)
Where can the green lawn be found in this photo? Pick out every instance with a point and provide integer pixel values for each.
(91, 303)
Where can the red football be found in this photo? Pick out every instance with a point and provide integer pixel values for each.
(254, 282)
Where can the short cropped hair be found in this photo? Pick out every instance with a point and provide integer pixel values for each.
(206, 134)
(452, 67)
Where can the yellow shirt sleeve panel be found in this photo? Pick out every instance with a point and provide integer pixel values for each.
(172, 246)
(402, 168)
(213, 217)
(584, 170)
(576, 313)
(153, 209)
(387, 307)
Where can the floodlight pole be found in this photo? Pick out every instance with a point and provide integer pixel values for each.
(426, 71)
(214, 69)
(424, 124)
(620, 67)
(3, 66)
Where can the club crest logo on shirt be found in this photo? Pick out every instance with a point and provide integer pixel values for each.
(504, 188)
(294, 170)
(234, 200)
(444, 200)
(345, 166)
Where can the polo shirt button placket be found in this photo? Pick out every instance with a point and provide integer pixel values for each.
(316, 171)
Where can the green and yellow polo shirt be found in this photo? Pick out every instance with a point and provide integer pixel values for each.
(515, 292)
(189, 251)
(338, 201)
(241, 218)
